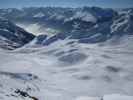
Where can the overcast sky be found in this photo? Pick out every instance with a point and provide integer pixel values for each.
(66, 3)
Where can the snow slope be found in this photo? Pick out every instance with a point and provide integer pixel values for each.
(67, 70)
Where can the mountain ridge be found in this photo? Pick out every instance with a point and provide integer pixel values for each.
(12, 36)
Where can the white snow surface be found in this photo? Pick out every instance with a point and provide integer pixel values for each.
(39, 15)
(37, 29)
(69, 71)
(84, 16)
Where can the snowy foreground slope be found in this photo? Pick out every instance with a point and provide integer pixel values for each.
(68, 71)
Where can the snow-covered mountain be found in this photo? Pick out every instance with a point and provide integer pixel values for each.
(12, 36)
(59, 19)
(108, 25)
(87, 56)
(87, 24)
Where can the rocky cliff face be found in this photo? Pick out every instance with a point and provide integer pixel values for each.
(12, 36)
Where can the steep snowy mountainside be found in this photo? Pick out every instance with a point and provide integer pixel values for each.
(104, 29)
(59, 19)
(86, 24)
(12, 36)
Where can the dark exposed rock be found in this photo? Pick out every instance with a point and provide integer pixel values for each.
(12, 36)
(25, 94)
